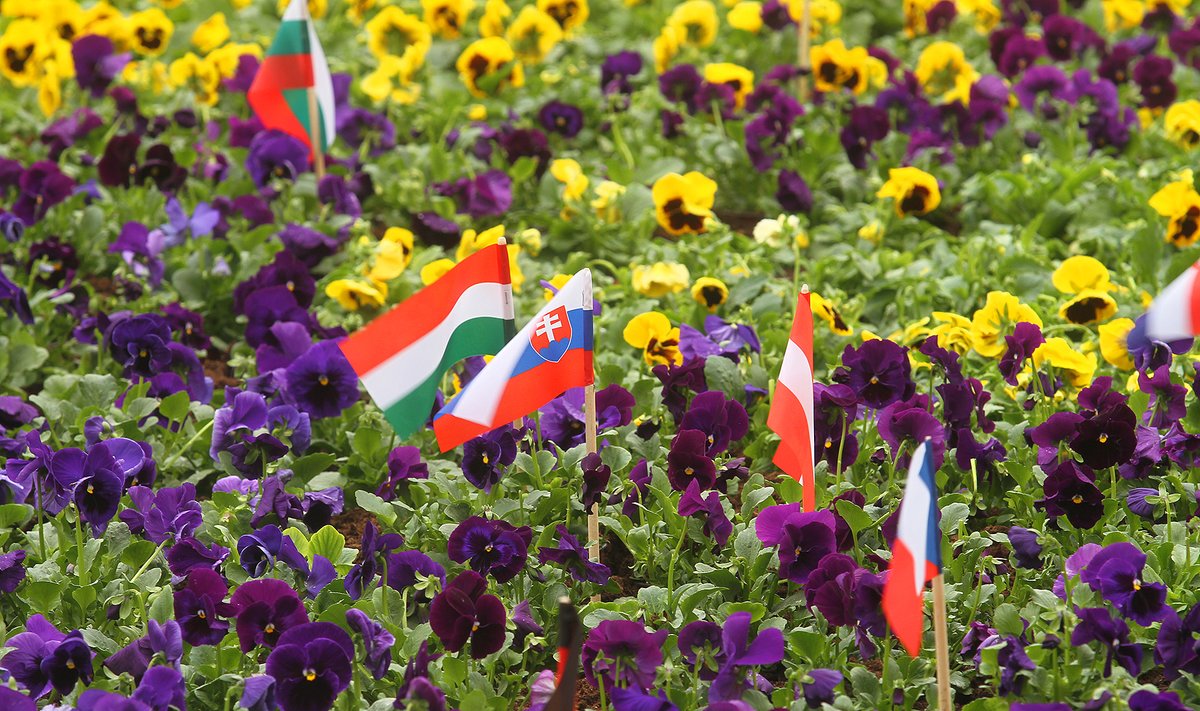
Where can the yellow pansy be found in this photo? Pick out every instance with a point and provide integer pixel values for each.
(683, 203)
(953, 332)
(447, 17)
(316, 8)
(488, 65)
(198, 75)
(828, 312)
(995, 320)
(913, 191)
(736, 77)
(1066, 360)
(1114, 346)
(985, 12)
(915, 12)
(558, 281)
(531, 240)
(495, 17)
(104, 19)
(665, 47)
(471, 242)
(390, 80)
(570, 174)
(225, 59)
(569, 14)
(695, 23)
(1123, 14)
(835, 67)
(356, 10)
(1088, 306)
(605, 204)
(746, 16)
(19, 52)
(49, 90)
(392, 255)
(353, 294)
(822, 14)
(150, 32)
(1081, 273)
(943, 71)
(148, 74)
(533, 34)
(211, 33)
(395, 33)
(1180, 202)
(435, 270)
(872, 232)
(710, 293)
(1182, 123)
(660, 279)
(653, 334)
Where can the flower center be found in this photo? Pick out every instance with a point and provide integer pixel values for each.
(1077, 499)
(310, 674)
(142, 353)
(270, 628)
(797, 552)
(1103, 438)
(91, 489)
(488, 548)
(323, 380)
(874, 380)
(291, 285)
(475, 627)
(828, 442)
(1137, 584)
(689, 471)
(202, 615)
(70, 664)
(485, 459)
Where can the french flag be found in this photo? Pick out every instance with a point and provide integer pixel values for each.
(551, 355)
(791, 415)
(916, 554)
(1175, 313)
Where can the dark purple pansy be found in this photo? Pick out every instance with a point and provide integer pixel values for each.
(311, 665)
(622, 653)
(41, 187)
(572, 556)
(1096, 625)
(722, 421)
(491, 547)
(878, 371)
(403, 464)
(803, 538)
(462, 612)
(43, 658)
(377, 642)
(372, 548)
(275, 155)
(321, 382)
(688, 461)
(561, 118)
(793, 193)
(265, 609)
(716, 523)
(595, 479)
(562, 419)
(199, 604)
(739, 652)
(1070, 490)
(484, 456)
(1026, 549)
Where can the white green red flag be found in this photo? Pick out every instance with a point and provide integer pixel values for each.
(791, 415)
(294, 64)
(402, 356)
(551, 355)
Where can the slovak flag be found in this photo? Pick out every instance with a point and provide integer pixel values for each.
(551, 355)
(916, 554)
(1175, 313)
(791, 415)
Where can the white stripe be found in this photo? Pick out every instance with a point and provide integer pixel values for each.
(913, 527)
(296, 10)
(322, 84)
(797, 376)
(396, 377)
(1170, 316)
(479, 400)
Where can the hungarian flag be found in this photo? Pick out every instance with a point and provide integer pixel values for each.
(294, 65)
(551, 355)
(402, 355)
(1175, 313)
(791, 415)
(916, 554)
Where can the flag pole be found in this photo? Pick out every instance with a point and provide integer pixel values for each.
(941, 645)
(804, 58)
(570, 640)
(314, 113)
(589, 433)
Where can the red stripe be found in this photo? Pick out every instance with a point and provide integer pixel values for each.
(1194, 299)
(563, 655)
(523, 394)
(904, 610)
(802, 326)
(276, 73)
(423, 311)
(794, 455)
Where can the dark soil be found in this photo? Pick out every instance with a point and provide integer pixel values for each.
(619, 560)
(351, 524)
(586, 695)
(102, 286)
(1155, 677)
(218, 369)
(742, 222)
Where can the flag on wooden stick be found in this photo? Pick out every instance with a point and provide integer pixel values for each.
(791, 415)
(1175, 313)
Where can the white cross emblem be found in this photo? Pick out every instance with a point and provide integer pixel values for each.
(548, 326)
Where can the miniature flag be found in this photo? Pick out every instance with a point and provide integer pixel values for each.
(294, 64)
(916, 554)
(551, 355)
(791, 415)
(1175, 313)
(402, 355)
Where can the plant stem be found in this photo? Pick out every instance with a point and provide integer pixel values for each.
(149, 560)
(81, 558)
(671, 567)
(883, 681)
(188, 445)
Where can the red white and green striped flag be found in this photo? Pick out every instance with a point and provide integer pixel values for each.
(401, 356)
(294, 64)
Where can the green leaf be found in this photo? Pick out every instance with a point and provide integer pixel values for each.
(136, 553)
(42, 596)
(747, 545)
(756, 609)
(301, 541)
(382, 509)
(856, 518)
(654, 599)
(175, 406)
(12, 515)
(952, 516)
(327, 542)
(311, 464)
(1008, 619)
(722, 374)
(162, 607)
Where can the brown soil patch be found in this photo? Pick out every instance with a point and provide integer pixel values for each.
(351, 524)
(586, 695)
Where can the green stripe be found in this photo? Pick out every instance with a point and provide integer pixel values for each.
(297, 101)
(478, 336)
(292, 38)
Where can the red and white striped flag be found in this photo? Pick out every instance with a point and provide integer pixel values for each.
(791, 415)
(1175, 313)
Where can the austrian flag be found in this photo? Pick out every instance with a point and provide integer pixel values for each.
(791, 415)
(551, 355)
(295, 65)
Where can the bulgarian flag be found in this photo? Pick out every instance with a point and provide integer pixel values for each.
(402, 355)
(293, 90)
(791, 415)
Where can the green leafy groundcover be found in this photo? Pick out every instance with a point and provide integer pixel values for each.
(201, 508)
